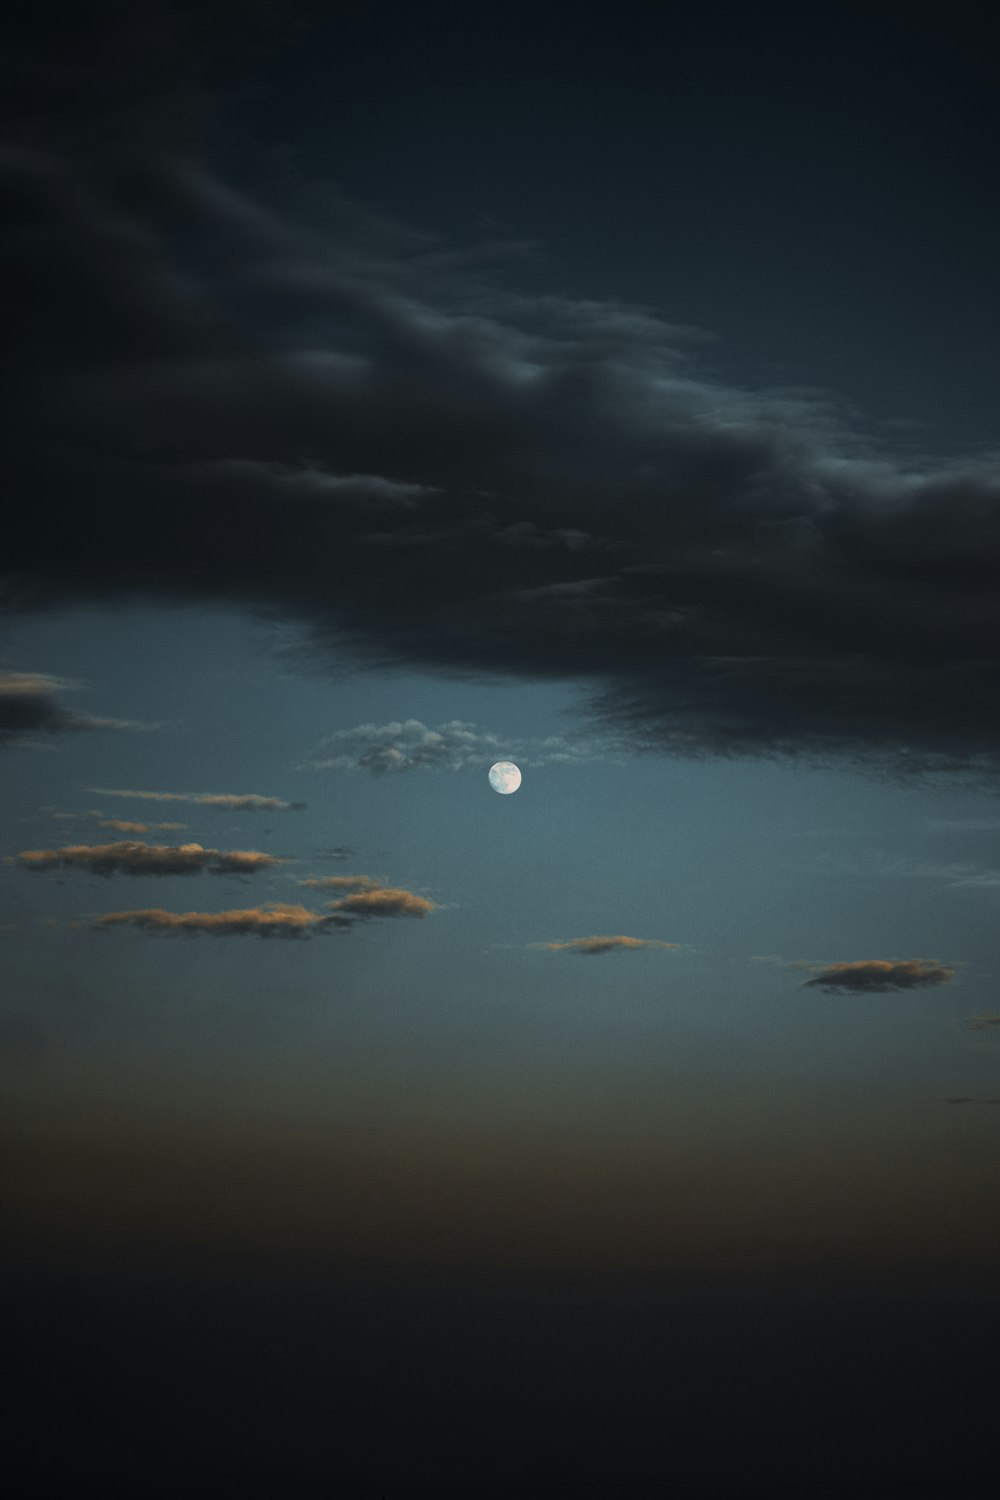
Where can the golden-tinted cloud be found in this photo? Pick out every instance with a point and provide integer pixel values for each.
(131, 857)
(228, 801)
(369, 898)
(275, 920)
(342, 883)
(591, 946)
(879, 976)
(123, 825)
(384, 901)
(980, 1023)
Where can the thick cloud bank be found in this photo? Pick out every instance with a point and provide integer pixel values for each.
(295, 406)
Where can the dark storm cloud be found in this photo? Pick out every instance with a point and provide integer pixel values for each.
(590, 947)
(30, 705)
(134, 858)
(311, 411)
(879, 976)
(227, 801)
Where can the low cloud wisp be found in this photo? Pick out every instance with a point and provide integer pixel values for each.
(131, 857)
(590, 947)
(879, 976)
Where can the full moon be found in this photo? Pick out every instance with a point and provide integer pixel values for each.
(505, 777)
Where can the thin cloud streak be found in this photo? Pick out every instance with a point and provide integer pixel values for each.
(226, 801)
(590, 947)
(134, 858)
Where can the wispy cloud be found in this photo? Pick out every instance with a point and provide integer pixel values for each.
(875, 864)
(410, 745)
(227, 801)
(590, 947)
(123, 825)
(971, 1099)
(342, 883)
(134, 858)
(983, 1022)
(30, 705)
(879, 976)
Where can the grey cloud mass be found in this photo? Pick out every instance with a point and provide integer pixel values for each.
(358, 431)
(360, 428)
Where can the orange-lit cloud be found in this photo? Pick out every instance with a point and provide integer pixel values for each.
(368, 898)
(384, 901)
(878, 976)
(980, 1023)
(342, 883)
(131, 857)
(276, 920)
(590, 946)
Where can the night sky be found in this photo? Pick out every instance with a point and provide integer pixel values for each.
(393, 391)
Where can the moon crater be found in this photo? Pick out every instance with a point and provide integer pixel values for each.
(505, 777)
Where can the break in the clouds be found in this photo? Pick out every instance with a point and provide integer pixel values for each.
(130, 857)
(357, 428)
(31, 705)
(226, 801)
(879, 976)
(590, 947)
